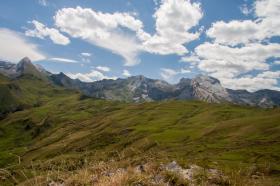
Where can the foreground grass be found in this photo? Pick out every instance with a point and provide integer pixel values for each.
(62, 126)
(147, 170)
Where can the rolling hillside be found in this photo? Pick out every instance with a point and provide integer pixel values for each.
(57, 124)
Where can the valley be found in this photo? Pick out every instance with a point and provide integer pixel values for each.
(45, 124)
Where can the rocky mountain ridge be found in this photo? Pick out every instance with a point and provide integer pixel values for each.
(140, 88)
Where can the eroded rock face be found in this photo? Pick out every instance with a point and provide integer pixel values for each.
(209, 89)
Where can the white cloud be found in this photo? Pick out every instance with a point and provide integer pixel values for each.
(168, 74)
(192, 58)
(263, 80)
(103, 68)
(185, 71)
(267, 8)
(126, 73)
(174, 19)
(277, 62)
(63, 60)
(269, 74)
(86, 57)
(156, 2)
(41, 31)
(104, 30)
(236, 32)
(93, 75)
(250, 83)
(245, 9)
(86, 54)
(123, 34)
(14, 46)
(234, 60)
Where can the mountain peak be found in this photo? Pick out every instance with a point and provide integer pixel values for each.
(25, 60)
(201, 78)
(184, 80)
(25, 65)
(209, 89)
(138, 77)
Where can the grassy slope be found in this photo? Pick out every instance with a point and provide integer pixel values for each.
(62, 126)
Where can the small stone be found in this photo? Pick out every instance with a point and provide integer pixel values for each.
(173, 166)
(140, 168)
(53, 183)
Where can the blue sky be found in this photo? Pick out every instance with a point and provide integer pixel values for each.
(236, 41)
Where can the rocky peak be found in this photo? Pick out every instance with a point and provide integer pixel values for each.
(25, 60)
(135, 82)
(209, 89)
(206, 80)
(62, 75)
(139, 78)
(184, 80)
(184, 83)
(25, 66)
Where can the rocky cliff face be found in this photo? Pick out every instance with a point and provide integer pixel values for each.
(209, 89)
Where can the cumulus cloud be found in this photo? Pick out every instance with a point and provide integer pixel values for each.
(236, 32)
(123, 33)
(250, 83)
(41, 31)
(235, 60)
(93, 75)
(14, 46)
(168, 74)
(269, 74)
(103, 68)
(126, 73)
(174, 19)
(228, 64)
(104, 30)
(63, 60)
(192, 58)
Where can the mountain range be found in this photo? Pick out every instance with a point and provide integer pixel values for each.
(140, 88)
(54, 128)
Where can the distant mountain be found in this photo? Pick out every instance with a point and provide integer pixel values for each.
(140, 88)
(23, 67)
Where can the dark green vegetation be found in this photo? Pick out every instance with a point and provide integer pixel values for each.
(52, 123)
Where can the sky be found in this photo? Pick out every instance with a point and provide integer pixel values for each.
(235, 41)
